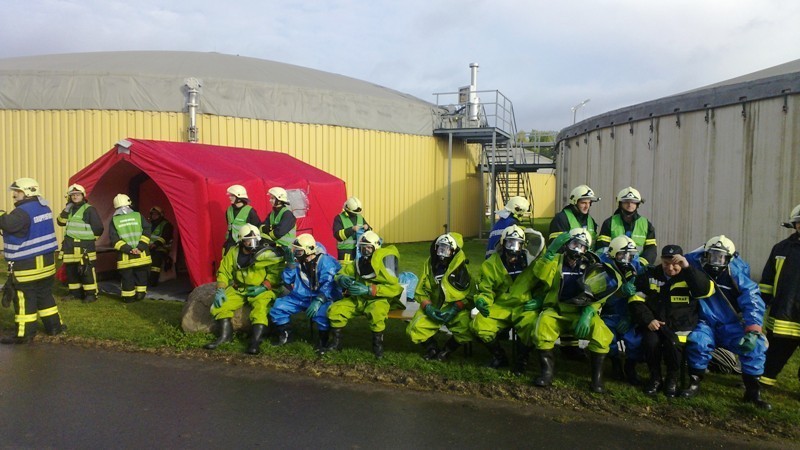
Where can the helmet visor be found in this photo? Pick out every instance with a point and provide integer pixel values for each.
(576, 247)
(716, 258)
(623, 257)
(444, 250)
(513, 244)
(250, 242)
(366, 249)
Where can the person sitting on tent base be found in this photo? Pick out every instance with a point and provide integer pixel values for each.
(249, 272)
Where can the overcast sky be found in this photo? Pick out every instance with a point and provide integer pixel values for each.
(545, 56)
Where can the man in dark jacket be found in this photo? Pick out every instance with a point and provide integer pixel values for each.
(666, 310)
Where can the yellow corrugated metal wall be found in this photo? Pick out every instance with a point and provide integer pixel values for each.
(401, 179)
(544, 194)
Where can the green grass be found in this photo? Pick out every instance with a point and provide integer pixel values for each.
(155, 324)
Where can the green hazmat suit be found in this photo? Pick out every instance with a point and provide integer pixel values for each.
(559, 318)
(384, 291)
(237, 272)
(454, 289)
(506, 297)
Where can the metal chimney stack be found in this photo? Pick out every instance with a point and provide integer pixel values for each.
(193, 89)
(474, 102)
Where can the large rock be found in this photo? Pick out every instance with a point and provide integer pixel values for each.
(196, 314)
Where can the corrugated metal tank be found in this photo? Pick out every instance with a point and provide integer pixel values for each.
(60, 112)
(728, 169)
(400, 178)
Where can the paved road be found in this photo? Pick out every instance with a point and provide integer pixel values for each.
(60, 396)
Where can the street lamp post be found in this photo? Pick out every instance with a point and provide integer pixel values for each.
(576, 108)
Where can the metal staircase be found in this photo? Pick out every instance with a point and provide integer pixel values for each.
(490, 122)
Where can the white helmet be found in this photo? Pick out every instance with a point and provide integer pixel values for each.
(629, 194)
(622, 249)
(304, 246)
(352, 205)
(794, 217)
(122, 200)
(718, 253)
(369, 242)
(518, 206)
(76, 189)
(582, 192)
(28, 186)
(279, 194)
(445, 246)
(249, 236)
(513, 239)
(580, 242)
(238, 191)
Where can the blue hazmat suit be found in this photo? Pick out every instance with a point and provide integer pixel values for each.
(617, 316)
(735, 306)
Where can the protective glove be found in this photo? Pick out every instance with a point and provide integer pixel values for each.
(312, 309)
(219, 297)
(628, 289)
(358, 288)
(345, 281)
(447, 314)
(556, 245)
(533, 304)
(748, 342)
(254, 291)
(68, 207)
(584, 324)
(432, 312)
(624, 325)
(483, 306)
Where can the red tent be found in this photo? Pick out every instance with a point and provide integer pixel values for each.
(189, 181)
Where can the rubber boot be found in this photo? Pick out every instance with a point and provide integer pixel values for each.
(695, 377)
(90, 298)
(449, 347)
(630, 373)
(616, 368)
(282, 331)
(597, 372)
(499, 358)
(52, 325)
(256, 335)
(523, 356)
(140, 296)
(548, 366)
(671, 384)
(322, 346)
(224, 334)
(752, 392)
(336, 339)
(377, 344)
(152, 279)
(431, 349)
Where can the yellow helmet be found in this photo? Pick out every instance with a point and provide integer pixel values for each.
(369, 242)
(582, 192)
(352, 205)
(28, 186)
(518, 206)
(629, 194)
(122, 200)
(238, 191)
(303, 246)
(721, 244)
(622, 249)
(279, 194)
(249, 236)
(76, 189)
(794, 217)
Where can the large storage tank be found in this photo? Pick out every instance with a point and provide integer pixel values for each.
(722, 159)
(60, 112)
